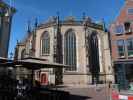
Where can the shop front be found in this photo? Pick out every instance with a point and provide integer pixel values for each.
(123, 74)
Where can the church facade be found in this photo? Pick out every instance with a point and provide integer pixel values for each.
(83, 45)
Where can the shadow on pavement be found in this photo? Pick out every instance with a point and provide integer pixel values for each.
(77, 97)
(46, 95)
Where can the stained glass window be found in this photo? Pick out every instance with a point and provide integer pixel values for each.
(45, 43)
(70, 50)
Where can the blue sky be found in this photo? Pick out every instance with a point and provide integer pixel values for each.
(42, 9)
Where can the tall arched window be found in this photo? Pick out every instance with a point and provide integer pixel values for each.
(94, 56)
(70, 50)
(45, 43)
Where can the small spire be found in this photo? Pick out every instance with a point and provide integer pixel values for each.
(11, 55)
(84, 15)
(29, 27)
(36, 22)
(17, 41)
(58, 14)
(103, 23)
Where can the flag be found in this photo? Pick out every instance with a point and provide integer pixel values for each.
(2, 8)
(2, 5)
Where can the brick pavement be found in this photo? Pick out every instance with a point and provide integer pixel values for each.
(89, 92)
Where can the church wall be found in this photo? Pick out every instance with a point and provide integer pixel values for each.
(38, 43)
(20, 49)
(80, 76)
(80, 49)
(28, 46)
(107, 60)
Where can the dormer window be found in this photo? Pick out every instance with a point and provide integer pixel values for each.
(119, 29)
(127, 27)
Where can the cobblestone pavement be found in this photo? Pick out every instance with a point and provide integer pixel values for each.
(88, 92)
